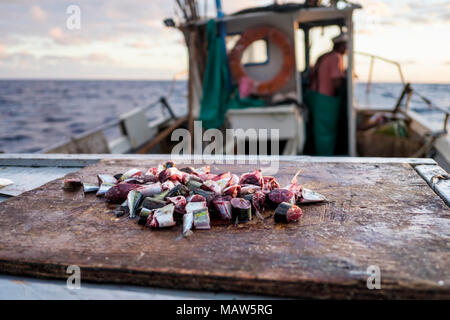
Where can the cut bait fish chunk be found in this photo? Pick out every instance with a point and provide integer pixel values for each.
(310, 196)
(119, 192)
(104, 187)
(241, 209)
(134, 199)
(163, 217)
(192, 206)
(150, 190)
(145, 215)
(106, 178)
(287, 212)
(188, 222)
(224, 209)
(89, 187)
(201, 219)
(152, 203)
(131, 173)
(72, 184)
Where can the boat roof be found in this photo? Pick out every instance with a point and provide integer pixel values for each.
(288, 8)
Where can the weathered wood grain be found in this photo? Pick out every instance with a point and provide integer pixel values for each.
(377, 214)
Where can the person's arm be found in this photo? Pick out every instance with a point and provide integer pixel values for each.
(337, 71)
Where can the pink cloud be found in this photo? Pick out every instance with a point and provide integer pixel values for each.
(38, 14)
(141, 45)
(67, 38)
(2, 51)
(56, 33)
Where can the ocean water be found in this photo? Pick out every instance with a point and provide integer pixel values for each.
(385, 95)
(37, 114)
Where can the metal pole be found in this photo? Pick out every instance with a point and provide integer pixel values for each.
(307, 49)
(406, 90)
(167, 106)
(369, 81)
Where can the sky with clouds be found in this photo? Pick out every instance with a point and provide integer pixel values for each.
(127, 39)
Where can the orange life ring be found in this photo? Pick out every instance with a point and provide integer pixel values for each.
(275, 36)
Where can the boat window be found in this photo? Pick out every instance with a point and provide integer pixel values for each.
(321, 40)
(256, 54)
(300, 49)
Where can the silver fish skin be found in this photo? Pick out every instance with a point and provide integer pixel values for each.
(201, 219)
(188, 222)
(150, 190)
(104, 187)
(89, 187)
(192, 206)
(249, 188)
(164, 216)
(106, 178)
(310, 196)
(134, 198)
(130, 173)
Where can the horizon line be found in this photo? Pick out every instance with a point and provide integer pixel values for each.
(168, 80)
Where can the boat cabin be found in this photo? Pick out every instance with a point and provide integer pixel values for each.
(272, 47)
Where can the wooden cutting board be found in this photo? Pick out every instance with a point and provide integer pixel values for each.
(377, 214)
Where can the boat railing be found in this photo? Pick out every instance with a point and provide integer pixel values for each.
(118, 123)
(407, 91)
(374, 57)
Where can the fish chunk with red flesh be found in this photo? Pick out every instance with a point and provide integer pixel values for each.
(270, 183)
(168, 185)
(133, 172)
(294, 186)
(234, 180)
(232, 191)
(163, 217)
(287, 212)
(224, 209)
(172, 174)
(225, 175)
(248, 189)
(277, 196)
(72, 184)
(258, 201)
(189, 170)
(119, 192)
(196, 198)
(241, 209)
(207, 176)
(210, 185)
(179, 202)
(254, 178)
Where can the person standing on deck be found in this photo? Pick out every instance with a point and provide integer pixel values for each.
(324, 97)
(328, 74)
